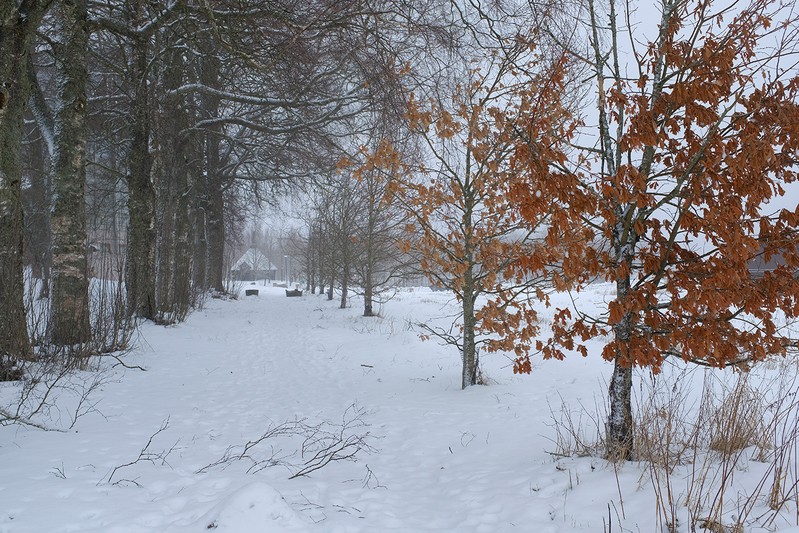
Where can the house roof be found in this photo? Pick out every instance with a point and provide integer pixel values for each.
(254, 259)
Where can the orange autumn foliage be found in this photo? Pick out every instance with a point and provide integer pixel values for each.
(672, 203)
(458, 200)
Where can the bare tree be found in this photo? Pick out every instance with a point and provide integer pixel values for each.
(380, 230)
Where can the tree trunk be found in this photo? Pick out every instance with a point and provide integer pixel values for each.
(16, 30)
(175, 253)
(37, 199)
(331, 276)
(345, 276)
(70, 291)
(320, 260)
(619, 438)
(369, 268)
(216, 235)
(163, 173)
(140, 276)
(312, 269)
(182, 289)
(309, 266)
(368, 293)
(214, 199)
(470, 368)
(620, 421)
(469, 290)
(331, 273)
(200, 247)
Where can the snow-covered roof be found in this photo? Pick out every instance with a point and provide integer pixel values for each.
(254, 259)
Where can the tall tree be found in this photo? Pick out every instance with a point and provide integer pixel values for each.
(70, 291)
(379, 232)
(36, 206)
(457, 202)
(136, 24)
(281, 85)
(140, 270)
(697, 134)
(18, 23)
(178, 163)
(212, 202)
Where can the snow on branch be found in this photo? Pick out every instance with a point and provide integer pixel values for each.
(246, 98)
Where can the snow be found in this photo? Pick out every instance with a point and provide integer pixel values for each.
(254, 507)
(441, 459)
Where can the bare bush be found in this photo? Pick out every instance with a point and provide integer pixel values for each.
(578, 432)
(146, 455)
(720, 456)
(739, 425)
(319, 445)
(51, 395)
(112, 325)
(55, 387)
(738, 419)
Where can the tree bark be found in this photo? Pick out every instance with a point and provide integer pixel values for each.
(619, 438)
(18, 22)
(620, 421)
(199, 279)
(36, 200)
(140, 272)
(368, 293)
(214, 199)
(469, 371)
(312, 262)
(320, 259)
(345, 276)
(469, 289)
(331, 274)
(70, 290)
(370, 262)
(182, 290)
(174, 237)
(215, 231)
(163, 171)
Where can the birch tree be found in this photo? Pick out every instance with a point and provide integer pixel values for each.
(70, 291)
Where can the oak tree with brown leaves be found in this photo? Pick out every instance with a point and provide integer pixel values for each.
(457, 200)
(697, 144)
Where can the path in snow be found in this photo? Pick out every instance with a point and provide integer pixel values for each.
(447, 460)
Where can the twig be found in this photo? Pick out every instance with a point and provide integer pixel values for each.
(123, 363)
(144, 455)
(7, 418)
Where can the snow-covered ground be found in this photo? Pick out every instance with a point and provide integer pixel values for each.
(433, 457)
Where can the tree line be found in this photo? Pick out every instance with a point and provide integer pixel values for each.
(168, 121)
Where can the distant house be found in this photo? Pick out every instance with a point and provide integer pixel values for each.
(758, 265)
(253, 265)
